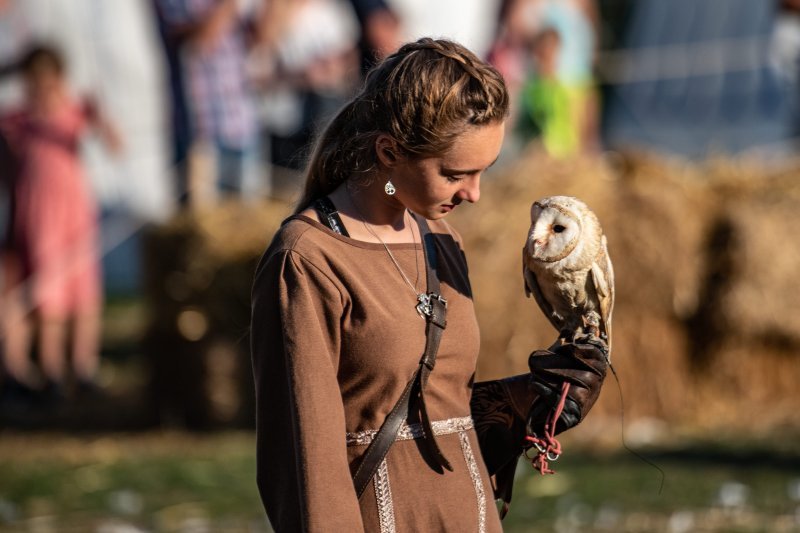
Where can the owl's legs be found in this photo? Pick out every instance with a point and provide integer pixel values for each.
(591, 324)
(565, 336)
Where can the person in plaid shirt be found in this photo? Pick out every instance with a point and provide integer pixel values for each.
(212, 36)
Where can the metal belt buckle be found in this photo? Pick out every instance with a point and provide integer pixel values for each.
(425, 307)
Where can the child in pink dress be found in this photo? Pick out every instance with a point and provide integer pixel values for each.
(54, 277)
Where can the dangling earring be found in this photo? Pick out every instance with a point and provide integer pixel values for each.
(389, 188)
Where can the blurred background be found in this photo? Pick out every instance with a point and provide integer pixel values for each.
(150, 149)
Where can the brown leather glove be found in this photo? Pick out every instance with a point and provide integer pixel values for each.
(582, 364)
(500, 411)
(508, 409)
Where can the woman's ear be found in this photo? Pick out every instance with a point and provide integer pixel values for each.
(387, 150)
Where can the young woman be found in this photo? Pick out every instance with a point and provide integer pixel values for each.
(347, 316)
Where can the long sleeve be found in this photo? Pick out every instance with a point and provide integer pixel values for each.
(302, 467)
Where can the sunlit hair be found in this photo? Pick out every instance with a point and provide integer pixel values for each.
(423, 96)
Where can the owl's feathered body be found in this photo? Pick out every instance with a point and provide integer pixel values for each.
(567, 268)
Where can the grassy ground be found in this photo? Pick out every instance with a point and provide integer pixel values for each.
(196, 483)
(153, 482)
(707, 487)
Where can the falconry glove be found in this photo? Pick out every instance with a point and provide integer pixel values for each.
(508, 410)
(582, 364)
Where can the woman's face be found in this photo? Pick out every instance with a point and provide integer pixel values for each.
(434, 186)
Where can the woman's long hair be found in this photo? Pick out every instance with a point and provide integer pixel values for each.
(423, 96)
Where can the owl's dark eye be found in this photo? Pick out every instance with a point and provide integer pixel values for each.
(558, 228)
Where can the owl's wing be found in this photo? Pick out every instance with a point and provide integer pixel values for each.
(532, 287)
(603, 278)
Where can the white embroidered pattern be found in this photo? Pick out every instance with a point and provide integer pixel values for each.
(472, 466)
(414, 431)
(383, 493)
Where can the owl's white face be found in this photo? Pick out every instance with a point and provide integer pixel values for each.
(555, 230)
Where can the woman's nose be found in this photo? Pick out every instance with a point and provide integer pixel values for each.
(471, 191)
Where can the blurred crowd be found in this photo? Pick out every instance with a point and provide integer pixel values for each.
(154, 107)
(233, 91)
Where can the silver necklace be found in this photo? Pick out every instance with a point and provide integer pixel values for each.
(421, 297)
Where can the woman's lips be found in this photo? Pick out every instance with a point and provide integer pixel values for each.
(448, 207)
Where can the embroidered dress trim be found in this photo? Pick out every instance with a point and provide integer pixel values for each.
(472, 467)
(414, 431)
(383, 491)
(383, 494)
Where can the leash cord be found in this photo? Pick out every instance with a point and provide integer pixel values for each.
(622, 430)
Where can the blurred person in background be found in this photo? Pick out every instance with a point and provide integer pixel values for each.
(469, 22)
(212, 38)
(178, 107)
(113, 54)
(551, 111)
(385, 24)
(340, 319)
(380, 31)
(546, 48)
(313, 69)
(507, 53)
(52, 280)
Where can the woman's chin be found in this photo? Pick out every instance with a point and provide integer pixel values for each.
(443, 210)
(436, 214)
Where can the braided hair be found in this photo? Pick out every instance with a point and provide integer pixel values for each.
(423, 96)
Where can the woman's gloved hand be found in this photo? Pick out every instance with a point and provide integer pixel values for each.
(508, 409)
(583, 364)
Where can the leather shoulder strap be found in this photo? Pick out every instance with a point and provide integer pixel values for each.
(329, 216)
(413, 397)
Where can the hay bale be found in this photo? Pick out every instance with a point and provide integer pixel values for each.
(199, 272)
(760, 300)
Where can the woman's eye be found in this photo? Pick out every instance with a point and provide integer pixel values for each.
(558, 228)
(453, 179)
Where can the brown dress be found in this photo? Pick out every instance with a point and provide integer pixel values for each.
(335, 339)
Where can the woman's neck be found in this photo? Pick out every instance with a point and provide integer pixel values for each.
(368, 207)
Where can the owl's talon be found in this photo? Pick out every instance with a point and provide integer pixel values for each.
(591, 325)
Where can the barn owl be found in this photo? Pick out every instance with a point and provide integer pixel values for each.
(566, 267)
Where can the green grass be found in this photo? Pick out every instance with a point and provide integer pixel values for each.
(159, 482)
(174, 481)
(701, 492)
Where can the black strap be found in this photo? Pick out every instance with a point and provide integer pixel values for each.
(329, 216)
(413, 398)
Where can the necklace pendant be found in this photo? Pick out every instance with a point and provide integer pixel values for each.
(425, 305)
(424, 308)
